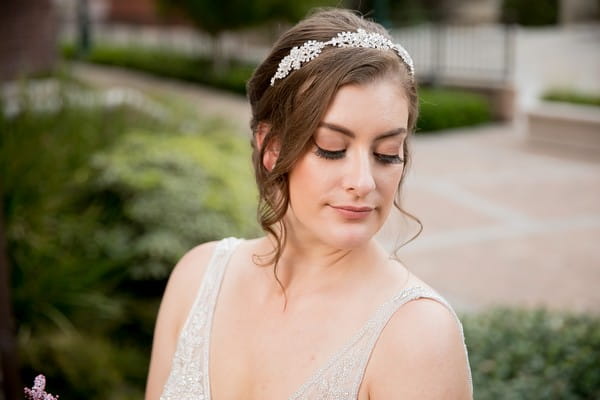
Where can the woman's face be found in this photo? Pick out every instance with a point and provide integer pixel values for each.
(341, 191)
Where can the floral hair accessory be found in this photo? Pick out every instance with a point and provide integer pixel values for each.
(361, 38)
(38, 392)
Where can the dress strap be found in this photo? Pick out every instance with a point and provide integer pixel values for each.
(189, 371)
(385, 313)
(342, 375)
(213, 276)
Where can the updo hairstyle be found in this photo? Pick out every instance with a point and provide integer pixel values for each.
(295, 105)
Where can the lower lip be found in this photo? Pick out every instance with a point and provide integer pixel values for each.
(352, 214)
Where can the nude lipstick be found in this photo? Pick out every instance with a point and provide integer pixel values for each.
(353, 212)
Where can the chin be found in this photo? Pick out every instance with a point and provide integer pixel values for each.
(348, 239)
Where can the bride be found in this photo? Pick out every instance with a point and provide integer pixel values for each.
(315, 309)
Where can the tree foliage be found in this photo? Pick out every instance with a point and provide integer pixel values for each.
(215, 17)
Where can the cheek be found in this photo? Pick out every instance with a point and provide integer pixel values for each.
(389, 182)
(308, 179)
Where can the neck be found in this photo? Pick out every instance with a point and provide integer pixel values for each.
(309, 266)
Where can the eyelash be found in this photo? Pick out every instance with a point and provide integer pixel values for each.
(339, 154)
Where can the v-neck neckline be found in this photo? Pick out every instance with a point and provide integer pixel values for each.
(329, 361)
(363, 330)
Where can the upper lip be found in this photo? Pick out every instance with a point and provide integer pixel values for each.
(354, 208)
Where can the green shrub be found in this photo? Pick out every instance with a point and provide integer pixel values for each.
(60, 280)
(171, 64)
(97, 199)
(446, 109)
(44, 164)
(533, 354)
(572, 96)
(531, 13)
(175, 191)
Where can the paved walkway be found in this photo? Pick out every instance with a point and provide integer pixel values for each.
(505, 223)
(206, 101)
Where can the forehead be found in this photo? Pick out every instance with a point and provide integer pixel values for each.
(380, 105)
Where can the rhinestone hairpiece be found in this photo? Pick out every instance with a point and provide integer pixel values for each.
(361, 38)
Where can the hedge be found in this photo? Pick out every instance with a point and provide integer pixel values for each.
(572, 96)
(534, 354)
(447, 109)
(169, 63)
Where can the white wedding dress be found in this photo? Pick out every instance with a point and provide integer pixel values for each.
(338, 379)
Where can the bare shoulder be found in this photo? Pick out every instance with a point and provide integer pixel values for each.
(184, 283)
(420, 355)
(179, 296)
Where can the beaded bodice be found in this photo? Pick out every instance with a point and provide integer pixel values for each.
(338, 379)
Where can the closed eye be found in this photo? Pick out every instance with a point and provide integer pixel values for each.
(388, 158)
(339, 154)
(329, 154)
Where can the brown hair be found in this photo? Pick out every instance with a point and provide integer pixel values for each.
(295, 105)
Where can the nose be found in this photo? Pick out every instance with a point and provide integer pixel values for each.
(358, 177)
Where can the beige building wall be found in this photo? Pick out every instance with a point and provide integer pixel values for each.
(574, 11)
(475, 11)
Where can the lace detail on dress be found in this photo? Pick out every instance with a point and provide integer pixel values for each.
(340, 377)
(188, 379)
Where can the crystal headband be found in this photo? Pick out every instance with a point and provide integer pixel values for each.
(361, 38)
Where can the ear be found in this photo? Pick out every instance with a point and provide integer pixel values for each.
(272, 152)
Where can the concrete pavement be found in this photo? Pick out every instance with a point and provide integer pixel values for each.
(206, 101)
(504, 223)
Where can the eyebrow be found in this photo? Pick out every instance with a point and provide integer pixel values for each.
(348, 132)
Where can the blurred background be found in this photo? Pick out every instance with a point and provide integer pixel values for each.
(124, 141)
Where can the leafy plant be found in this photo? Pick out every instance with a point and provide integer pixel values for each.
(533, 354)
(572, 96)
(174, 191)
(446, 109)
(44, 165)
(96, 195)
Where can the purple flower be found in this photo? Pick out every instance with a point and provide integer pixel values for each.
(37, 392)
